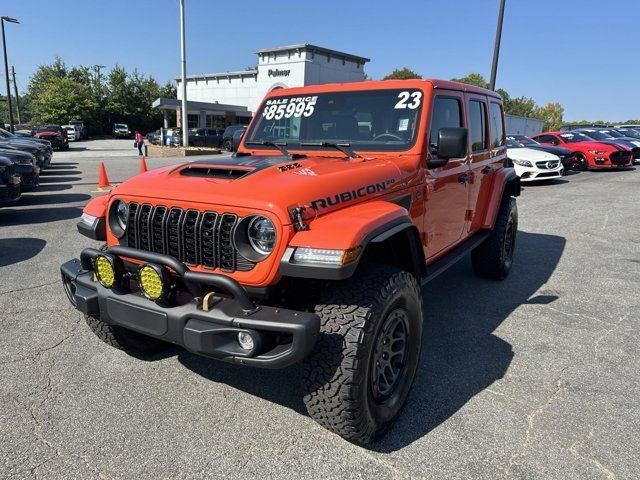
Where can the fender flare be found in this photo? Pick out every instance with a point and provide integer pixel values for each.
(385, 220)
(509, 185)
(96, 230)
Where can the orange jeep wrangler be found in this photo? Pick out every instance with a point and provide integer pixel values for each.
(311, 243)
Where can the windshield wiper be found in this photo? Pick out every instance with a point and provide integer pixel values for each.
(343, 147)
(279, 145)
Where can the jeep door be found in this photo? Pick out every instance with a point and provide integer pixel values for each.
(446, 194)
(488, 152)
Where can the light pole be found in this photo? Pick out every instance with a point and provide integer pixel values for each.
(6, 68)
(496, 48)
(183, 79)
(99, 92)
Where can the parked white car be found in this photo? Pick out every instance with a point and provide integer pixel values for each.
(72, 132)
(532, 165)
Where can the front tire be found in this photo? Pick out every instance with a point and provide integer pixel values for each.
(228, 146)
(133, 343)
(493, 258)
(362, 368)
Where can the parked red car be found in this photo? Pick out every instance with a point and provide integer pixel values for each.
(55, 134)
(588, 152)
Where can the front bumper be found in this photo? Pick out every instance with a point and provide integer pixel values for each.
(29, 176)
(10, 192)
(282, 337)
(532, 174)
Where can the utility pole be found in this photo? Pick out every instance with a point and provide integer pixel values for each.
(97, 68)
(183, 79)
(15, 91)
(6, 68)
(496, 48)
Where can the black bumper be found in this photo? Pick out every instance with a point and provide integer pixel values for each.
(282, 337)
(10, 192)
(29, 175)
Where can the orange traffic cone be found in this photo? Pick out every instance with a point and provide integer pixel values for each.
(103, 180)
(143, 165)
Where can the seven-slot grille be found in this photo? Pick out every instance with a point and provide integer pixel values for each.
(191, 236)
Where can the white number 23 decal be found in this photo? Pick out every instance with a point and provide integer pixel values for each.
(404, 97)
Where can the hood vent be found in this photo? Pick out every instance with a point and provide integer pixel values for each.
(220, 173)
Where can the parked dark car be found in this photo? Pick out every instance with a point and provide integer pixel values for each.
(43, 154)
(9, 182)
(566, 155)
(206, 137)
(227, 136)
(55, 134)
(37, 150)
(155, 137)
(628, 132)
(25, 166)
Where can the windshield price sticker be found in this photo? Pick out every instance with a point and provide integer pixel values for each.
(410, 100)
(277, 108)
(566, 135)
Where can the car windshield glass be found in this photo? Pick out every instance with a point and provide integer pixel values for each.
(629, 132)
(612, 133)
(597, 135)
(575, 137)
(120, 125)
(513, 143)
(525, 140)
(373, 120)
(49, 128)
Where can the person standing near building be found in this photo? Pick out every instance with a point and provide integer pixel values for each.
(139, 142)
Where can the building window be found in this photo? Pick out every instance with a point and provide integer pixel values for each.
(216, 121)
(193, 120)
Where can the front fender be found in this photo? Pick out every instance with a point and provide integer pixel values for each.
(95, 228)
(344, 229)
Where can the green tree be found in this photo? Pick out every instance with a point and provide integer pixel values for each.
(523, 106)
(551, 114)
(61, 100)
(402, 74)
(473, 79)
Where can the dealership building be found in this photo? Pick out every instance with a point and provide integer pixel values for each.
(215, 100)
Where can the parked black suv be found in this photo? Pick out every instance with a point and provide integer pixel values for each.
(206, 137)
(25, 166)
(227, 136)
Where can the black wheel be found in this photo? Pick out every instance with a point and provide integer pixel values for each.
(228, 146)
(581, 163)
(493, 258)
(133, 343)
(362, 368)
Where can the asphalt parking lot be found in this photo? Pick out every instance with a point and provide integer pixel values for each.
(534, 377)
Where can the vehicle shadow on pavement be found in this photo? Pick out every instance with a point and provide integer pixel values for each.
(53, 199)
(24, 216)
(460, 354)
(16, 250)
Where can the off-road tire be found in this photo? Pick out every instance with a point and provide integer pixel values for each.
(493, 258)
(133, 343)
(339, 390)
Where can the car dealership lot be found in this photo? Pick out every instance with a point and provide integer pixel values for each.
(532, 377)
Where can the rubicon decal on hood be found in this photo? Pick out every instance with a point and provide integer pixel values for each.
(347, 196)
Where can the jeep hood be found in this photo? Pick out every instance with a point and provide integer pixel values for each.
(270, 183)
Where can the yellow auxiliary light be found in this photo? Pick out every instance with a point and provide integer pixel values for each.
(153, 281)
(105, 270)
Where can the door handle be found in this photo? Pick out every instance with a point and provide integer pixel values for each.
(464, 178)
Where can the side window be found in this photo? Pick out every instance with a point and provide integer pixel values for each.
(478, 125)
(446, 114)
(497, 126)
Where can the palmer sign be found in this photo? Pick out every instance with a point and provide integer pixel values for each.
(278, 73)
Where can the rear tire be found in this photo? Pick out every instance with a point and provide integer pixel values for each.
(133, 343)
(359, 375)
(493, 258)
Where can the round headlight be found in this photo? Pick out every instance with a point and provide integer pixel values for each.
(105, 271)
(153, 281)
(118, 218)
(122, 214)
(262, 235)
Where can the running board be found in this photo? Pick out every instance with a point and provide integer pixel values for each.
(443, 263)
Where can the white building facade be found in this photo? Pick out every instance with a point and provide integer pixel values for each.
(219, 99)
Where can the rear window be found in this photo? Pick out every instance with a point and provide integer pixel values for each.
(478, 125)
(497, 126)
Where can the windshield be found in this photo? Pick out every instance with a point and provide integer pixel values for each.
(524, 140)
(373, 120)
(629, 132)
(612, 133)
(513, 143)
(49, 128)
(597, 135)
(575, 137)
(121, 125)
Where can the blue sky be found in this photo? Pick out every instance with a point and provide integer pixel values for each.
(582, 53)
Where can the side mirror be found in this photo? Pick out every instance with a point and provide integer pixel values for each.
(452, 143)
